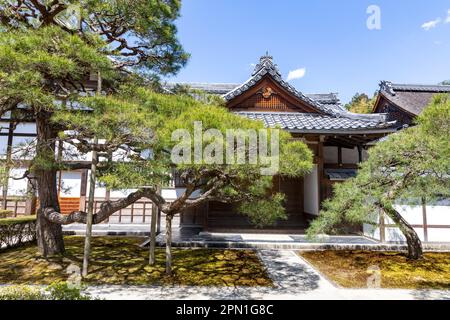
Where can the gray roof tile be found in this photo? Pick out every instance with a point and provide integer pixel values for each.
(212, 88)
(340, 174)
(410, 97)
(293, 121)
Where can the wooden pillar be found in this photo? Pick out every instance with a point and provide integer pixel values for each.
(83, 189)
(340, 156)
(31, 202)
(206, 216)
(425, 219)
(153, 231)
(360, 159)
(382, 227)
(320, 169)
(158, 226)
(59, 160)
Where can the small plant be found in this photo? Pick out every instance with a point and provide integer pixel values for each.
(21, 292)
(55, 291)
(63, 291)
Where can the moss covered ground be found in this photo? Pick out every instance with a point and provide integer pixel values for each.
(351, 269)
(120, 260)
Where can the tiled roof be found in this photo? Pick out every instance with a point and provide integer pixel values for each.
(266, 66)
(340, 174)
(410, 97)
(212, 88)
(302, 122)
(417, 87)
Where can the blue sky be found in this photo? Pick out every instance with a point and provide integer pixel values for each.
(329, 39)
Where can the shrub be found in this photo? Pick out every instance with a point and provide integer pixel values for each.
(5, 213)
(21, 293)
(17, 231)
(62, 291)
(55, 291)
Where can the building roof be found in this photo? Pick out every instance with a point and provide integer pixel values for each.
(309, 122)
(333, 116)
(412, 98)
(340, 174)
(211, 88)
(267, 67)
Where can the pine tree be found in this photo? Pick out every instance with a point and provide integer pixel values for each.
(409, 165)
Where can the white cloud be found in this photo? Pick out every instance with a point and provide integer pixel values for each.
(447, 20)
(296, 74)
(431, 24)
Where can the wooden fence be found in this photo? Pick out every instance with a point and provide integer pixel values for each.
(17, 205)
(138, 212)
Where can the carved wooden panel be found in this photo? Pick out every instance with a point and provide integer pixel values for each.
(267, 95)
(266, 100)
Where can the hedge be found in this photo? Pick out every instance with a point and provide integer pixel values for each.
(6, 213)
(17, 231)
(55, 291)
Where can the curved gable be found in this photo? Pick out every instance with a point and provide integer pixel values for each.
(267, 91)
(268, 95)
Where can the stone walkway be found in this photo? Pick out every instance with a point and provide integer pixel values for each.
(294, 279)
(195, 238)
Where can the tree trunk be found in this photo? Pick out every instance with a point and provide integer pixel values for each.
(412, 239)
(91, 201)
(49, 235)
(155, 212)
(169, 244)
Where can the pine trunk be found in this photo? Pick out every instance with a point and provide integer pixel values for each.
(49, 235)
(153, 231)
(169, 244)
(414, 244)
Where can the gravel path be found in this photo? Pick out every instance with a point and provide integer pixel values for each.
(294, 279)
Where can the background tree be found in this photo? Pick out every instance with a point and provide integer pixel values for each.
(46, 58)
(138, 33)
(445, 83)
(241, 184)
(361, 103)
(407, 166)
(132, 123)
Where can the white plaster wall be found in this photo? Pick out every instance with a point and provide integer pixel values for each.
(70, 184)
(17, 187)
(3, 145)
(371, 231)
(26, 128)
(23, 147)
(311, 192)
(438, 235)
(395, 235)
(436, 216)
(412, 214)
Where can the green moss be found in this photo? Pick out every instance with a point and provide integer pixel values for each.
(5, 213)
(18, 220)
(350, 268)
(122, 261)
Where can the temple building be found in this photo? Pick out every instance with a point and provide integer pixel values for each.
(338, 139)
(404, 102)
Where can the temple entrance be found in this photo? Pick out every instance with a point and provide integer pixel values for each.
(224, 218)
